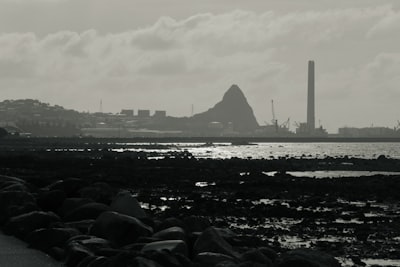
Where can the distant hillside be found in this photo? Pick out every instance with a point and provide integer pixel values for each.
(232, 108)
(39, 119)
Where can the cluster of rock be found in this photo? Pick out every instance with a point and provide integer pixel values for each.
(94, 224)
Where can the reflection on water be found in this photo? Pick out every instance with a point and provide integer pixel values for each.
(273, 150)
(332, 174)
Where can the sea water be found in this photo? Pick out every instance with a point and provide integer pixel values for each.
(278, 150)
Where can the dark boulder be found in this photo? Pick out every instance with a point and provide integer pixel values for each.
(172, 233)
(119, 229)
(50, 200)
(306, 258)
(196, 223)
(22, 225)
(127, 204)
(70, 204)
(46, 238)
(70, 186)
(212, 259)
(255, 255)
(211, 241)
(82, 226)
(99, 192)
(174, 246)
(86, 212)
(76, 253)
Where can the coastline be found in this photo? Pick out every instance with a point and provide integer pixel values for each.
(348, 217)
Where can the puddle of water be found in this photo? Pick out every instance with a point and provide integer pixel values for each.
(204, 184)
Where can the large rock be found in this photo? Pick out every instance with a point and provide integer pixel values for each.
(174, 246)
(15, 198)
(86, 212)
(211, 259)
(306, 258)
(93, 243)
(211, 241)
(50, 200)
(24, 224)
(255, 255)
(69, 204)
(171, 233)
(127, 204)
(99, 192)
(168, 259)
(46, 238)
(76, 253)
(119, 229)
(196, 223)
(82, 226)
(70, 186)
(143, 262)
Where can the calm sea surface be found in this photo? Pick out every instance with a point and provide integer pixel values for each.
(276, 150)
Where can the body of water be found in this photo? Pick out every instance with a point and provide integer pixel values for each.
(278, 150)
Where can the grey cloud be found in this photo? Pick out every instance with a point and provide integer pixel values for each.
(265, 54)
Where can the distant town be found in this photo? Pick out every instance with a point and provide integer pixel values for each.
(231, 117)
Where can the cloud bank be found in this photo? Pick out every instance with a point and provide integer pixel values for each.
(175, 63)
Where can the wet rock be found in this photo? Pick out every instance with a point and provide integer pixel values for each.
(86, 212)
(227, 264)
(86, 261)
(169, 222)
(70, 204)
(127, 204)
(70, 186)
(76, 253)
(44, 239)
(306, 258)
(82, 226)
(256, 255)
(270, 253)
(119, 229)
(99, 192)
(211, 259)
(15, 198)
(98, 262)
(143, 262)
(123, 258)
(14, 210)
(7, 180)
(51, 200)
(211, 241)
(22, 225)
(226, 233)
(14, 186)
(172, 233)
(164, 258)
(92, 243)
(196, 223)
(174, 246)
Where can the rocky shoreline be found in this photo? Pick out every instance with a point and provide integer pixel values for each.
(122, 209)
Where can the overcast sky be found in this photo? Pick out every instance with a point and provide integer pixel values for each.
(170, 54)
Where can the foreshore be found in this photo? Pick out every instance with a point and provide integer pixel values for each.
(353, 218)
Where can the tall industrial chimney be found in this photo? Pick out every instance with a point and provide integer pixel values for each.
(311, 97)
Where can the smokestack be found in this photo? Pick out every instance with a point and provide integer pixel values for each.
(311, 97)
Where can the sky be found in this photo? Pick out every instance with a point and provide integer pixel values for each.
(172, 54)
